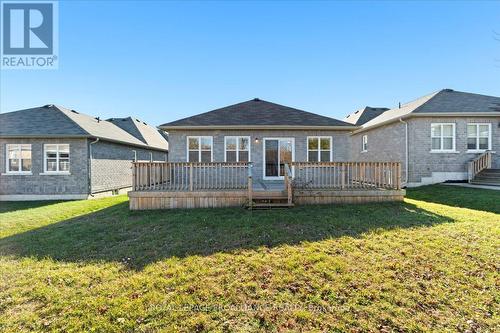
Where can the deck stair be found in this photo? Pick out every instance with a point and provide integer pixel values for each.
(487, 177)
(269, 200)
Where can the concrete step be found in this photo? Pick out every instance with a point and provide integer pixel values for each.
(485, 182)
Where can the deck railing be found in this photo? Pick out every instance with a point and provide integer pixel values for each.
(347, 175)
(478, 164)
(288, 184)
(186, 176)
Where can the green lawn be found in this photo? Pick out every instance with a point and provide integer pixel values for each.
(428, 264)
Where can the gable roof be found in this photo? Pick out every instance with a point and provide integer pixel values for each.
(446, 102)
(256, 113)
(144, 132)
(57, 121)
(364, 115)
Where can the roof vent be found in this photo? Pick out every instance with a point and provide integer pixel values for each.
(74, 111)
(98, 119)
(256, 99)
(48, 106)
(448, 90)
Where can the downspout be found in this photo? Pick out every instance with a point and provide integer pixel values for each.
(406, 151)
(90, 166)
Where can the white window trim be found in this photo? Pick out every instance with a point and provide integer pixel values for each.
(47, 172)
(237, 137)
(7, 171)
(319, 137)
(454, 149)
(364, 143)
(477, 150)
(199, 145)
(264, 157)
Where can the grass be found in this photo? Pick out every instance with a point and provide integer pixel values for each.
(428, 264)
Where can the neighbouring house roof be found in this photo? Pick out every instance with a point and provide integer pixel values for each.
(57, 121)
(446, 102)
(144, 132)
(256, 113)
(364, 115)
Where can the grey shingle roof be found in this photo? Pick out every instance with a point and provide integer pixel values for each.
(445, 101)
(364, 115)
(57, 121)
(144, 132)
(256, 112)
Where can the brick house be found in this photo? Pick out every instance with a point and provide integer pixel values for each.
(264, 133)
(51, 152)
(434, 136)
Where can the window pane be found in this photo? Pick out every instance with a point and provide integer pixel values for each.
(471, 131)
(448, 143)
(448, 130)
(436, 143)
(206, 143)
(51, 148)
(51, 154)
(471, 143)
(244, 144)
(193, 156)
(63, 165)
(230, 143)
(483, 143)
(13, 164)
(325, 143)
(435, 130)
(206, 156)
(194, 143)
(230, 156)
(484, 131)
(325, 156)
(26, 164)
(51, 164)
(243, 156)
(313, 156)
(313, 143)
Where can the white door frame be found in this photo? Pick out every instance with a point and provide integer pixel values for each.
(264, 157)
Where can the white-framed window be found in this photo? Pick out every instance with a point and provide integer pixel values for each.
(364, 143)
(56, 158)
(319, 148)
(199, 149)
(18, 159)
(443, 137)
(237, 149)
(479, 137)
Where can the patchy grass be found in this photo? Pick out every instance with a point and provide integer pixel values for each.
(428, 264)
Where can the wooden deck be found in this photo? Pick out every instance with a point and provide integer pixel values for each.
(163, 185)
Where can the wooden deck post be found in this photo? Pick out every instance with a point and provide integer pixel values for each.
(250, 186)
(191, 177)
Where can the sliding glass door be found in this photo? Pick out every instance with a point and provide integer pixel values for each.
(277, 152)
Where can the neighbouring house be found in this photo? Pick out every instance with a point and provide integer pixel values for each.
(51, 152)
(265, 133)
(434, 136)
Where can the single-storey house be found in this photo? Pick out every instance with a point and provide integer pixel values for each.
(265, 133)
(51, 152)
(434, 136)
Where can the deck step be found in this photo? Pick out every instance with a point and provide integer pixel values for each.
(271, 205)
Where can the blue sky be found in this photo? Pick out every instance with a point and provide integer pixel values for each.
(161, 61)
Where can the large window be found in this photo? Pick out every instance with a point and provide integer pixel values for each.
(478, 137)
(443, 137)
(199, 148)
(319, 149)
(56, 158)
(18, 158)
(237, 148)
(364, 143)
